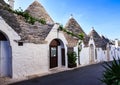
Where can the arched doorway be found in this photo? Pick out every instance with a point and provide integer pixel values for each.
(57, 53)
(91, 53)
(108, 52)
(5, 56)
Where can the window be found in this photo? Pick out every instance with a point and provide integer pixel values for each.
(20, 43)
(53, 51)
(95, 54)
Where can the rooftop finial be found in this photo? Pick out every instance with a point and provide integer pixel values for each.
(71, 16)
(92, 28)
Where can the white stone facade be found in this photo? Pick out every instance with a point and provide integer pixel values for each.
(30, 58)
(100, 55)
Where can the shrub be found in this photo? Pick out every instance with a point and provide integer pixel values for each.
(72, 57)
(111, 75)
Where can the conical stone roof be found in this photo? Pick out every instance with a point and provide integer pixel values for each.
(99, 42)
(37, 10)
(94, 34)
(73, 26)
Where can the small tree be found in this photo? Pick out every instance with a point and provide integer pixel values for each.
(72, 57)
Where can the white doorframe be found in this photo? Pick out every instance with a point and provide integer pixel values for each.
(0, 59)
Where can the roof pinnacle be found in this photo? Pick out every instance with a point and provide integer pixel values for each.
(71, 16)
(92, 28)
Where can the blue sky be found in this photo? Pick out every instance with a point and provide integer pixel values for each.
(103, 15)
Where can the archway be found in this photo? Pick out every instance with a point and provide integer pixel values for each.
(108, 52)
(5, 56)
(57, 53)
(91, 53)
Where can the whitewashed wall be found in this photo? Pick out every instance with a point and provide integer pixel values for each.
(101, 55)
(75, 49)
(29, 59)
(55, 34)
(118, 52)
(114, 52)
(84, 56)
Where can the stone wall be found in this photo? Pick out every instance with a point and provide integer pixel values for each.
(29, 59)
(84, 56)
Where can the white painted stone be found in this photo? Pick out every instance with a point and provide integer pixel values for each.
(31, 59)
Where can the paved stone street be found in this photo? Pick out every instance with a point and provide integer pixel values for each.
(88, 75)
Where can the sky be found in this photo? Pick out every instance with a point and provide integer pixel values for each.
(103, 15)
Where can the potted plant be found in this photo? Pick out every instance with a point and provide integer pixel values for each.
(72, 57)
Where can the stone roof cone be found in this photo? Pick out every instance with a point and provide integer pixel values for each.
(94, 34)
(97, 39)
(72, 25)
(38, 11)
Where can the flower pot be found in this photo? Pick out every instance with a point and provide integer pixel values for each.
(72, 65)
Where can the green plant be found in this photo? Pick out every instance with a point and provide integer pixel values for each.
(78, 36)
(27, 16)
(111, 75)
(72, 57)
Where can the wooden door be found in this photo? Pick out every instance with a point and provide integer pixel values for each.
(53, 57)
(91, 54)
(63, 56)
(4, 59)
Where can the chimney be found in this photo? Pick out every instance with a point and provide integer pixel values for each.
(116, 43)
(11, 3)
